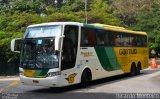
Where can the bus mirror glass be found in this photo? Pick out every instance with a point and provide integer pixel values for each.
(58, 43)
(16, 45)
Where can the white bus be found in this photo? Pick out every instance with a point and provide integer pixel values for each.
(59, 54)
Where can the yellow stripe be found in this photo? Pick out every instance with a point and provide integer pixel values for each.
(14, 83)
(29, 73)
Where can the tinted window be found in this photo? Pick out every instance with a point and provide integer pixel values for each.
(126, 40)
(102, 38)
(87, 37)
(98, 37)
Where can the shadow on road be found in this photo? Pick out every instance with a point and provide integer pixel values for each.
(94, 83)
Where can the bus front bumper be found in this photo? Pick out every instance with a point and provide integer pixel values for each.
(48, 81)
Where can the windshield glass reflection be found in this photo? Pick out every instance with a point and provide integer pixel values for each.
(39, 53)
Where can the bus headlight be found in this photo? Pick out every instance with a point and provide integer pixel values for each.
(50, 74)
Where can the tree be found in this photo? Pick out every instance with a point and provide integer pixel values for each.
(148, 21)
(16, 15)
(99, 13)
(127, 10)
(27, 6)
(73, 6)
(13, 26)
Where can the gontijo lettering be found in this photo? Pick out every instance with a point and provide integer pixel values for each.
(127, 51)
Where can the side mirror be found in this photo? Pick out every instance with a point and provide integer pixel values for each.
(58, 42)
(16, 45)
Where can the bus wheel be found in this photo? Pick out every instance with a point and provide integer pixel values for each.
(138, 69)
(84, 79)
(133, 70)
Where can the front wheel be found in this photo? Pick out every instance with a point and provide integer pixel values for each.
(84, 79)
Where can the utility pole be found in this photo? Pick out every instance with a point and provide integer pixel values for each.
(86, 11)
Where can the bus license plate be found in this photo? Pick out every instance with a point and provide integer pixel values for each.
(35, 81)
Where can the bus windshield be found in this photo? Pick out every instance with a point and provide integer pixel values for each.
(38, 53)
(43, 31)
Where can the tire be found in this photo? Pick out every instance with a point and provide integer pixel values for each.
(84, 79)
(138, 69)
(133, 70)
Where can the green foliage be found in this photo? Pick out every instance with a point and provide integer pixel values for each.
(148, 21)
(13, 26)
(128, 10)
(55, 17)
(16, 15)
(27, 6)
(100, 8)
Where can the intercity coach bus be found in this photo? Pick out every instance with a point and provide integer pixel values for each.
(59, 54)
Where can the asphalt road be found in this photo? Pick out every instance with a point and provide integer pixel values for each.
(122, 86)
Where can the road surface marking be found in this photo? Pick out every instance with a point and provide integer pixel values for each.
(14, 83)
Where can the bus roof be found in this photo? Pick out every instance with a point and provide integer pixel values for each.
(116, 28)
(95, 25)
(57, 23)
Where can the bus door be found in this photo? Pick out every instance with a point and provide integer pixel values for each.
(69, 50)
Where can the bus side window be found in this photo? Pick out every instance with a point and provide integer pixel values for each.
(118, 40)
(87, 37)
(91, 38)
(84, 38)
(134, 41)
(102, 38)
(138, 41)
(106, 39)
(144, 41)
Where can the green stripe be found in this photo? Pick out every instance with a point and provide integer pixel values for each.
(40, 73)
(107, 58)
(44, 72)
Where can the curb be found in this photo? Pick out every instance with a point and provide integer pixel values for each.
(154, 68)
(9, 78)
